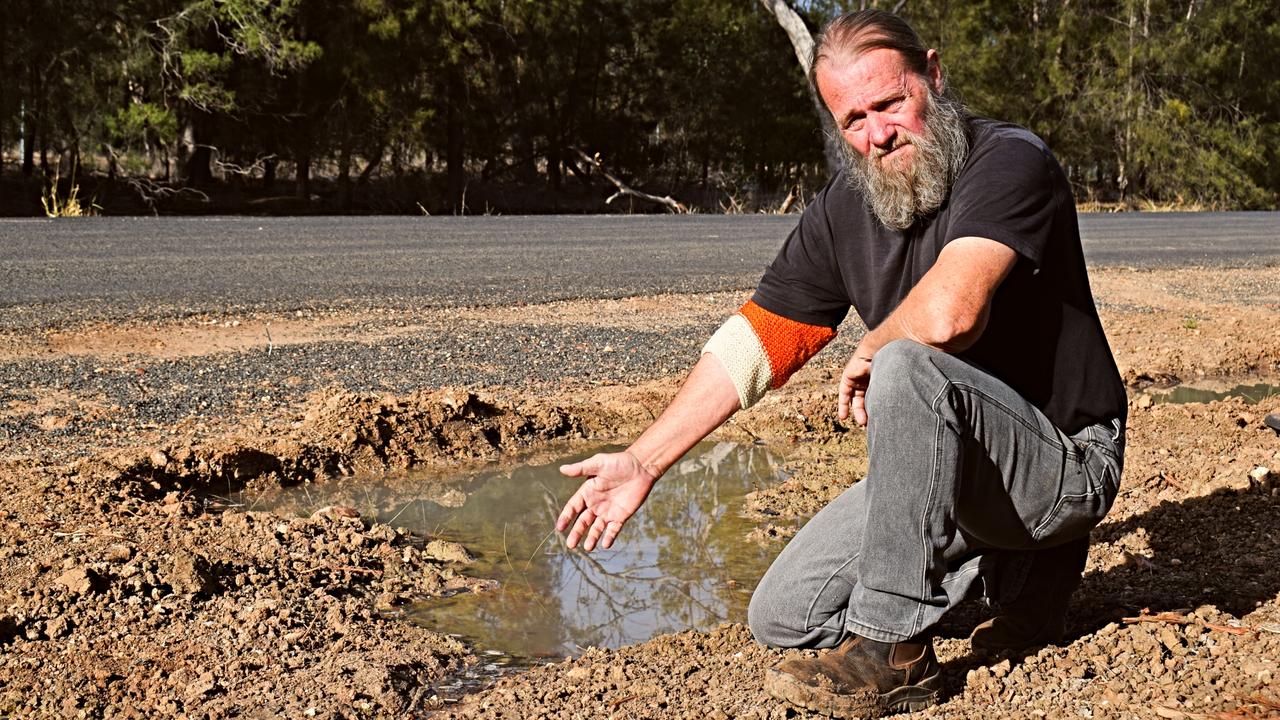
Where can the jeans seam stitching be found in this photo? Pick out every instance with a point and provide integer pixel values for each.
(938, 432)
(808, 614)
(1011, 414)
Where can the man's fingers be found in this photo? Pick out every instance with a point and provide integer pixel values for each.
(610, 533)
(590, 466)
(593, 535)
(576, 504)
(846, 390)
(580, 528)
(859, 406)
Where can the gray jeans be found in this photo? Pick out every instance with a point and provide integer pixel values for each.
(967, 480)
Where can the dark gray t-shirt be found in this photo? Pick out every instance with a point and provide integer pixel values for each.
(1043, 337)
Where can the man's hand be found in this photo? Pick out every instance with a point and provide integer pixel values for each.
(853, 387)
(947, 310)
(617, 485)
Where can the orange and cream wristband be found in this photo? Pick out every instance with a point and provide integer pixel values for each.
(761, 350)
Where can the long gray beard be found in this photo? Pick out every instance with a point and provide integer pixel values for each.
(899, 197)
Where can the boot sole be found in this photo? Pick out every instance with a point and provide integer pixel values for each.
(862, 705)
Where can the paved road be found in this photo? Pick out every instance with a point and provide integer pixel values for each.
(121, 266)
(65, 272)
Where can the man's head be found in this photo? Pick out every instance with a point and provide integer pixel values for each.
(904, 135)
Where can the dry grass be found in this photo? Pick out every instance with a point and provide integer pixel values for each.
(69, 206)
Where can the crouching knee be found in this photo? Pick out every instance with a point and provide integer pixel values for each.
(901, 359)
(762, 621)
(898, 367)
(777, 618)
(763, 616)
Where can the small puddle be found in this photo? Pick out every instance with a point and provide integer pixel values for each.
(681, 563)
(1249, 392)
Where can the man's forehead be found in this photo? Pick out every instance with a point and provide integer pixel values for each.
(867, 75)
(878, 66)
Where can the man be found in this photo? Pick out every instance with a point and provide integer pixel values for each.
(993, 407)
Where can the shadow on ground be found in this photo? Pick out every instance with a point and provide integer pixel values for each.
(1221, 549)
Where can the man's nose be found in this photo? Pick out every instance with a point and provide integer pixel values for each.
(881, 133)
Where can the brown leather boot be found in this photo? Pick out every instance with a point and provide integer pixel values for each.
(859, 678)
(1038, 615)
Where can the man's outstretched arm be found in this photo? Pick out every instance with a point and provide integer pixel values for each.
(618, 483)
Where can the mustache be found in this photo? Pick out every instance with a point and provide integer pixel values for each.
(903, 137)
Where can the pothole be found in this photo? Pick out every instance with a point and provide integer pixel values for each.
(683, 562)
(1250, 391)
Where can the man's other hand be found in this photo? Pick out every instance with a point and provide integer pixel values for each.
(616, 486)
(853, 388)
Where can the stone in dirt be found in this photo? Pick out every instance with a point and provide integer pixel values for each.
(159, 458)
(190, 575)
(119, 553)
(445, 551)
(57, 627)
(1260, 478)
(80, 581)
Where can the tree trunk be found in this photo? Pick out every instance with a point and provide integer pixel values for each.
(706, 165)
(302, 188)
(198, 171)
(454, 143)
(526, 162)
(268, 173)
(28, 142)
(4, 99)
(344, 175)
(553, 163)
(802, 43)
(194, 157)
(374, 161)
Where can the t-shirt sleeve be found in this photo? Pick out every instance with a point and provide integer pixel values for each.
(1009, 196)
(803, 281)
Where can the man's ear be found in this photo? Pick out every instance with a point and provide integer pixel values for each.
(933, 68)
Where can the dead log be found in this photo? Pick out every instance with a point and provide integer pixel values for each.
(625, 190)
(786, 205)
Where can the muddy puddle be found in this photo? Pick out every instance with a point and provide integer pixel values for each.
(1250, 392)
(682, 562)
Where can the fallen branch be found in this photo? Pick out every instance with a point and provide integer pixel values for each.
(1232, 629)
(786, 204)
(625, 190)
(1176, 618)
(151, 192)
(342, 568)
(1258, 708)
(87, 533)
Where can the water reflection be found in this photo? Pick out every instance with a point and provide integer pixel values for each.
(682, 562)
(1249, 392)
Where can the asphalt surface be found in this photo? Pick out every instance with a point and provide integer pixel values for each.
(127, 267)
(55, 273)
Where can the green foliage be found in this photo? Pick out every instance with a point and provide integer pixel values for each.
(1141, 100)
(1153, 100)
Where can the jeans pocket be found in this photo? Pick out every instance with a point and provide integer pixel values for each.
(1084, 502)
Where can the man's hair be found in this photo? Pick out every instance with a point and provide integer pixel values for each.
(857, 32)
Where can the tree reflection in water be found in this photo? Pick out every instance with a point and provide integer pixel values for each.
(682, 562)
